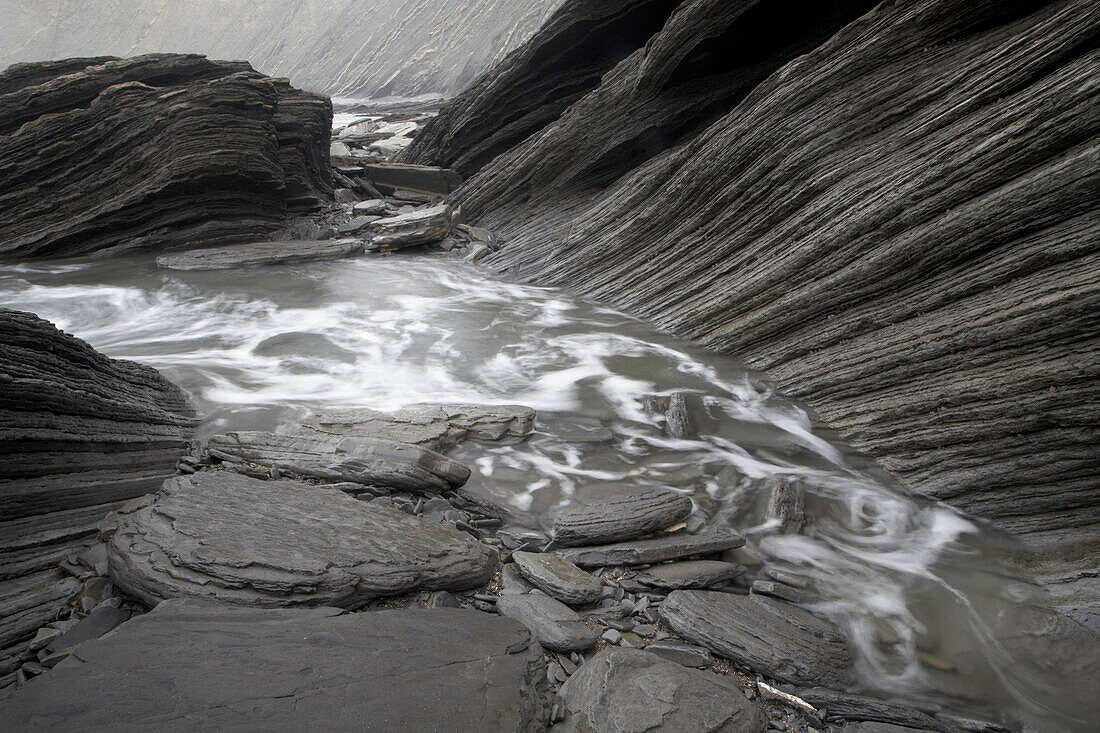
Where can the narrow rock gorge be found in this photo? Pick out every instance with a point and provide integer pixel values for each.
(893, 210)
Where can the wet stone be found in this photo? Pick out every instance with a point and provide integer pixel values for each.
(642, 552)
(690, 574)
(559, 578)
(619, 515)
(553, 623)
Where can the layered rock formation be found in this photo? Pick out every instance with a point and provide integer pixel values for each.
(346, 48)
(102, 155)
(893, 211)
(79, 434)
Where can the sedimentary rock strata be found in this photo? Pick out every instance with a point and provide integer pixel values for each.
(261, 253)
(79, 433)
(634, 690)
(642, 552)
(300, 669)
(892, 210)
(222, 536)
(768, 636)
(619, 515)
(154, 152)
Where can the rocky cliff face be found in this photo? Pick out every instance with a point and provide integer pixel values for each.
(345, 48)
(81, 433)
(103, 155)
(894, 211)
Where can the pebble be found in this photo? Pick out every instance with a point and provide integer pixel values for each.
(611, 636)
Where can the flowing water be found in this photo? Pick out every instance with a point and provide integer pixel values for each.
(928, 598)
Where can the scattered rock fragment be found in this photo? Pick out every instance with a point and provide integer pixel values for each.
(553, 623)
(559, 578)
(416, 227)
(621, 690)
(619, 515)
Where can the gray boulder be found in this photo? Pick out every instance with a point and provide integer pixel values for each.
(434, 426)
(416, 227)
(619, 515)
(558, 578)
(223, 536)
(368, 461)
(233, 668)
(261, 253)
(690, 574)
(554, 624)
(643, 552)
(767, 636)
(633, 691)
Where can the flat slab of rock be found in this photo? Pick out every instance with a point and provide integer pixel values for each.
(261, 253)
(363, 460)
(371, 207)
(235, 668)
(434, 426)
(558, 578)
(634, 691)
(219, 535)
(553, 623)
(689, 655)
(617, 516)
(416, 227)
(419, 178)
(690, 574)
(644, 552)
(767, 636)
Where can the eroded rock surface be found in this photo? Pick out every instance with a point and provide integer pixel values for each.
(634, 691)
(643, 552)
(219, 535)
(553, 623)
(364, 460)
(79, 434)
(767, 636)
(261, 253)
(613, 515)
(558, 578)
(154, 152)
(416, 227)
(235, 668)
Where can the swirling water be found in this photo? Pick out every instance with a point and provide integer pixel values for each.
(929, 598)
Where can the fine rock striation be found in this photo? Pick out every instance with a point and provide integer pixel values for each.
(892, 209)
(619, 515)
(346, 48)
(294, 669)
(261, 253)
(79, 434)
(223, 536)
(154, 152)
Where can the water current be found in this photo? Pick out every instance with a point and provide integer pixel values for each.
(930, 599)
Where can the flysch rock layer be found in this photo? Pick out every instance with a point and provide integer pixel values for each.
(222, 536)
(79, 434)
(261, 253)
(154, 152)
(635, 691)
(434, 426)
(657, 549)
(768, 636)
(365, 460)
(613, 515)
(314, 669)
(893, 209)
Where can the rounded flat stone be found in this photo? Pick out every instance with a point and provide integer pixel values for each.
(558, 578)
(618, 516)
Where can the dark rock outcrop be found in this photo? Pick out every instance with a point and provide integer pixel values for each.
(767, 636)
(222, 536)
(261, 253)
(232, 668)
(154, 152)
(633, 690)
(79, 434)
(894, 211)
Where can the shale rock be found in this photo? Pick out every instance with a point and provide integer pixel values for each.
(554, 624)
(688, 655)
(558, 578)
(690, 574)
(417, 178)
(79, 434)
(767, 636)
(416, 227)
(223, 536)
(619, 515)
(364, 460)
(633, 691)
(237, 668)
(155, 152)
(900, 221)
(433, 426)
(643, 552)
(261, 253)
